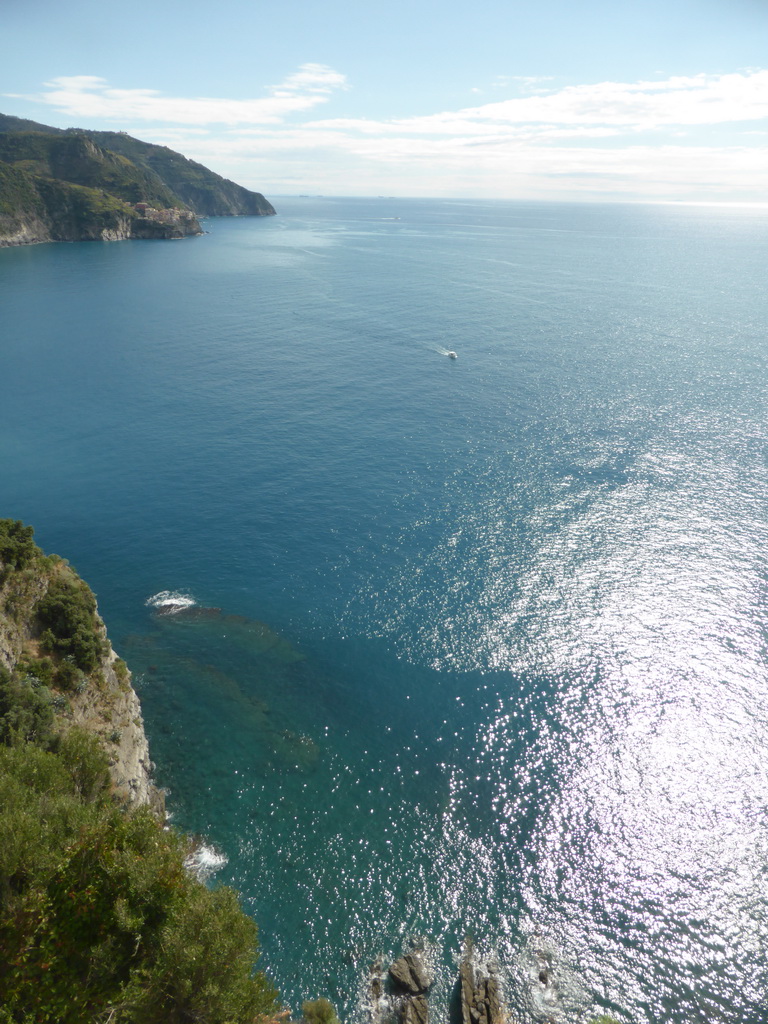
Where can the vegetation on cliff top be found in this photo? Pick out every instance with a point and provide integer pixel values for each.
(99, 918)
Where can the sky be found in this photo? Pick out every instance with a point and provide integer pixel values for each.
(654, 100)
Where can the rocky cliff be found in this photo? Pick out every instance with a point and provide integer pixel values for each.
(39, 209)
(42, 600)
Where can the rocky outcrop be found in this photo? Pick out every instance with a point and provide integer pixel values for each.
(478, 991)
(409, 982)
(402, 991)
(18, 627)
(408, 974)
(111, 710)
(23, 229)
(30, 230)
(415, 1010)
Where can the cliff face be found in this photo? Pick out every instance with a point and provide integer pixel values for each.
(81, 185)
(41, 209)
(112, 712)
(100, 699)
(101, 916)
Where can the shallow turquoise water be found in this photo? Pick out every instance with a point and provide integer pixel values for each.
(512, 677)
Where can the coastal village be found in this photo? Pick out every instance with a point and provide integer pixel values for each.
(171, 216)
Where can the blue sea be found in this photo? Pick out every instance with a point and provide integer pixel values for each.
(433, 647)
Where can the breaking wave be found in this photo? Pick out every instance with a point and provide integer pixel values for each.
(204, 861)
(170, 601)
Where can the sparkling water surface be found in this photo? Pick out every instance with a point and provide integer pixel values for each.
(489, 648)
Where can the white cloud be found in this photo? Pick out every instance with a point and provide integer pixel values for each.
(86, 97)
(337, 162)
(648, 139)
(314, 78)
(639, 106)
(528, 83)
(699, 99)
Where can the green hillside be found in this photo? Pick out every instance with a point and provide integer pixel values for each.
(78, 160)
(205, 192)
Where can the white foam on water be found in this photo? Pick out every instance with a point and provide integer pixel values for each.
(170, 601)
(204, 861)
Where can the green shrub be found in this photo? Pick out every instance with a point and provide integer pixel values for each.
(204, 968)
(67, 614)
(17, 549)
(26, 714)
(36, 670)
(19, 591)
(319, 1011)
(84, 758)
(67, 675)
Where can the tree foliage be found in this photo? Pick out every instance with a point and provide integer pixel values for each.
(17, 548)
(98, 914)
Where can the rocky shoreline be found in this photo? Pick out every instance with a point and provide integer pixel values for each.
(64, 223)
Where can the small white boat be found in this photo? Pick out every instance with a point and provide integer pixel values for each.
(451, 355)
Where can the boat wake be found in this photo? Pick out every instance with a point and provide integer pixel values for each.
(169, 602)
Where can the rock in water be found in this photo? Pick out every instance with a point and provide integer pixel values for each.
(493, 1000)
(409, 974)
(467, 983)
(415, 1010)
(480, 998)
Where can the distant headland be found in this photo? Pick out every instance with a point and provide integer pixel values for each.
(71, 185)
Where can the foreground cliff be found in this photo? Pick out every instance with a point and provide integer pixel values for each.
(78, 185)
(100, 920)
(52, 640)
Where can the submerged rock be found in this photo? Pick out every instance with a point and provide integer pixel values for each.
(250, 634)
